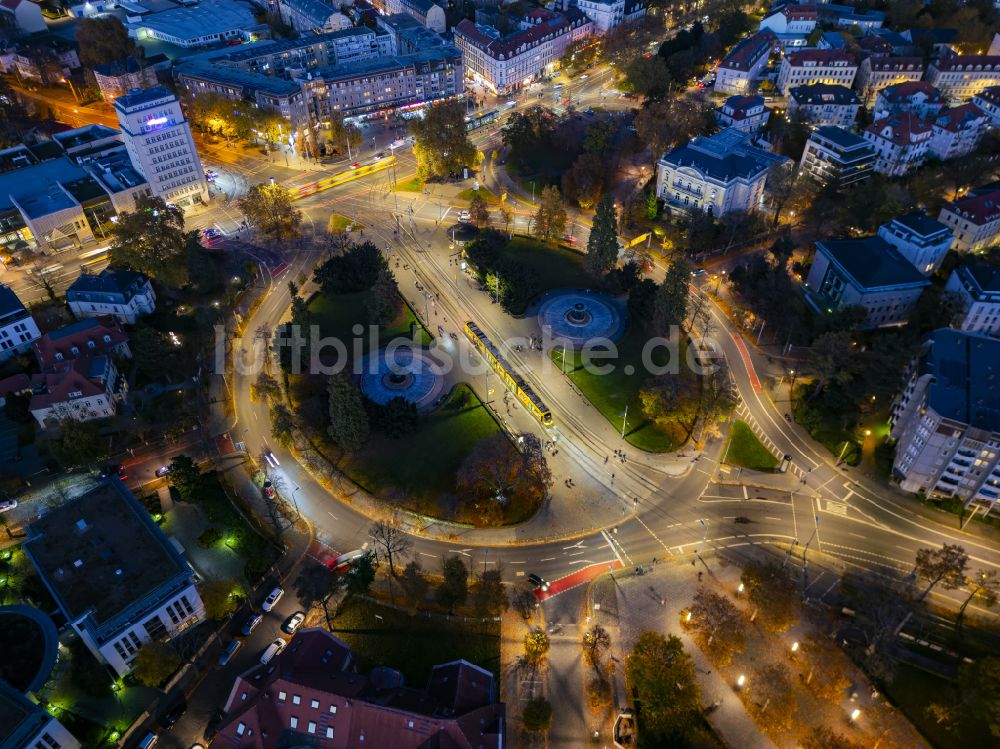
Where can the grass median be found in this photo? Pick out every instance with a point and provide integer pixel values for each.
(744, 449)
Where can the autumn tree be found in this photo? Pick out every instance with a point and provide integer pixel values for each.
(602, 246)
(984, 588)
(102, 40)
(662, 676)
(979, 684)
(348, 419)
(719, 625)
(833, 359)
(945, 567)
(663, 124)
(479, 212)
(536, 646)
(151, 240)
(497, 474)
(822, 737)
(391, 541)
(268, 209)
(282, 424)
(488, 595)
(359, 578)
(441, 141)
(524, 602)
(549, 222)
(264, 388)
(773, 593)
(826, 673)
(155, 663)
(596, 640)
(414, 583)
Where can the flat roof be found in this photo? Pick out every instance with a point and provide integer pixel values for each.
(102, 552)
(239, 77)
(139, 96)
(36, 187)
(215, 17)
(966, 370)
(872, 262)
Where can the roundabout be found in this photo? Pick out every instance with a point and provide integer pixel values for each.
(401, 373)
(580, 316)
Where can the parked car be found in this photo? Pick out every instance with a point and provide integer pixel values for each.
(464, 216)
(268, 490)
(8, 505)
(163, 471)
(272, 599)
(229, 652)
(293, 622)
(251, 624)
(148, 741)
(272, 650)
(114, 469)
(173, 714)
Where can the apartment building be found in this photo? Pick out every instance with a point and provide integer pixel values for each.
(824, 104)
(718, 174)
(508, 63)
(901, 142)
(833, 156)
(79, 390)
(312, 16)
(964, 76)
(977, 287)
(160, 145)
(97, 336)
(803, 67)
(918, 97)
(922, 240)
(17, 327)
(427, 12)
(606, 14)
(122, 294)
(988, 100)
(270, 92)
(117, 78)
(28, 725)
(875, 73)
(869, 273)
(113, 574)
(974, 218)
(739, 70)
(946, 420)
(957, 131)
(745, 113)
(791, 24)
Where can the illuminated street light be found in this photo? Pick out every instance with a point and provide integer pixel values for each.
(868, 433)
(687, 616)
(740, 588)
(855, 714)
(741, 681)
(795, 646)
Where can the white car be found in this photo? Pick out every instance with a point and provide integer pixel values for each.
(464, 216)
(8, 505)
(272, 599)
(272, 650)
(293, 622)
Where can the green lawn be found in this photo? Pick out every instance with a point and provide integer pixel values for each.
(413, 184)
(420, 468)
(611, 393)
(469, 194)
(337, 314)
(413, 644)
(744, 449)
(554, 267)
(339, 223)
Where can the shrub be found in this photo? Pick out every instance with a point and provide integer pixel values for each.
(209, 538)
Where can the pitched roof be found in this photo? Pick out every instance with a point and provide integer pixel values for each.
(725, 156)
(548, 23)
(979, 207)
(17, 383)
(738, 107)
(872, 262)
(749, 50)
(823, 93)
(111, 285)
(901, 129)
(966, 371)
(990, 95)
(80, 335)
(80, 378)
(11, 4)
(960, 118)
(896, 64)
(824, 57)
(901, 92)
(10, 304)
(969, 63)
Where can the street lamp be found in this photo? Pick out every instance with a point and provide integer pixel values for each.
(795, 646)
(741, 681)
(855, 714)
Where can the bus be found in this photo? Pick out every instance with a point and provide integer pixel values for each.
(507, 375)
(476, 122)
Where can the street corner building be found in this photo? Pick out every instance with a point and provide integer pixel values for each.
(114, 575)
(311, 695)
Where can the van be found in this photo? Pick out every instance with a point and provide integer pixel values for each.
(149, 741)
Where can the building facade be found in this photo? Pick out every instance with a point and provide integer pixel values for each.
(745, 113)
(17, 327)
(945, 420)
(114, 575)
(606, 14)
(196, 24)
(803, 67)
(868, 273)
(82, 389)
(824, 104)
(988, 100)
(718, 174)
(22, 15)
(27, 725)
(876, 73)
(312, 16)
(118, 78)
(124, 295)
(977, 287)
(159, 142)
(957, 131)
(974, 219)
(836, 157)
(964, 76)
(922, 240)
(739, 70)
(917, 97)
(901, 142)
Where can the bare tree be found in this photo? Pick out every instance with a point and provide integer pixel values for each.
(524, 602)
(983, 587)
(595, 640)
(392, 541)
(945, 567)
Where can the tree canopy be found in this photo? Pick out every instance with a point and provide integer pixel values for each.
(549, 222)
(442, 144)
(663, 677)
(268, 209)
(151, 240)
(102, 40)
(348, 419)
(602, 246)
(496, 474)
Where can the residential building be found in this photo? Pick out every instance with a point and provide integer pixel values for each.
(846, 16)
(47, 59)
(28, 725)
(719, 174)
(739, 70)
(63, 193)
(196, 25)
(427, 12)
(802, 67)
(312, 16)
(922, 240)
(22, 15)
(122, 294)
(832, 40)
(836, 157)
(266, 91)
(606, 14)
(791, 20)
(901, 142)
(507, 63)
(957, 131)
(946, 420)
(869, 273)
(824, 104)
(974, 218)
(17, 327)
(96, 336)
(114, 575)
(89, 8)
(876, 73)
(118, 78)
(745, 113)
(82, 389)
(977, 287)
(876, 45)
(918, 97)
(407, 35)
(988, 100)
(311, 695)
(159, 142)
(964, 76)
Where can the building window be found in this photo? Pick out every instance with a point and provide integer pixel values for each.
(293, 722)
(281, 696)
(333, 709)
(296, 699)
(315, 704)
(311, 728)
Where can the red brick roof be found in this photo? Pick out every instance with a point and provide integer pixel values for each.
(799, 12)
(901, 129)
(86, 336)
(550, 23)
(749, 51)
(55, 387)
(979, 208)
(899, 92)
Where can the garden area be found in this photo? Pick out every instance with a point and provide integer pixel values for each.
(744, 449)
(337, 314)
